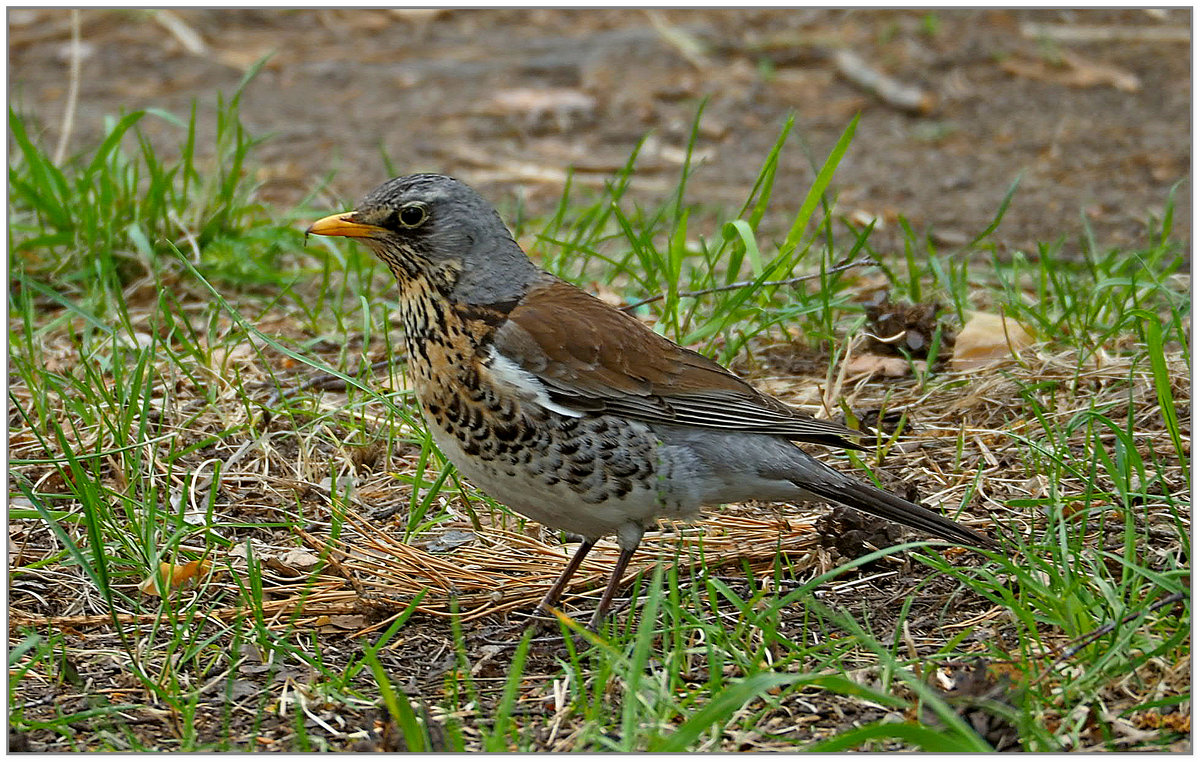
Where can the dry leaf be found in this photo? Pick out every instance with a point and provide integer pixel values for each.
(239, 354)
(987, 338)
(294, 563)
(878, 365)
(344, 622)
(173, 576)
(450, 540)
(1037, 485)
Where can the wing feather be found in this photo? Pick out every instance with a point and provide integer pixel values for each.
(593, 357)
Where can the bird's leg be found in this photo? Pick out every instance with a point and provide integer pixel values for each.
(556, 590)
(613, 583)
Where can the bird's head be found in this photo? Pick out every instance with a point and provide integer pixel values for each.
(437, 229)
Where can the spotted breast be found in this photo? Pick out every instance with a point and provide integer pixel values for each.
(495, 422)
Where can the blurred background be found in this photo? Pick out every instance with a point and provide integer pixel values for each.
(1093, 107)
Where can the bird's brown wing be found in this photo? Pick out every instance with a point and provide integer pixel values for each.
(592, 357)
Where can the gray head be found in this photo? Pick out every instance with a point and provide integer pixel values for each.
(435, 227)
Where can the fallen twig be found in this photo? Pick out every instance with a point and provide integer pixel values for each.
(1081, 33)
(1099, 632)
(1073, 71)
(189, 38)
(64, 136)
(891, 91)
(744, 283)
(688, 46)
(326, 382)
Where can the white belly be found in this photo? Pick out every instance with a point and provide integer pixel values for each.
(531, 490)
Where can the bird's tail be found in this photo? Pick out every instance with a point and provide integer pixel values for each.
(839, 488)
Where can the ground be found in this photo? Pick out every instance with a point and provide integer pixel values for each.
(512, 101)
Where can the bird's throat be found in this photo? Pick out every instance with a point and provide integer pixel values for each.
(444, 338)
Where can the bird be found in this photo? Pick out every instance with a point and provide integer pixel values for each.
(572, 412)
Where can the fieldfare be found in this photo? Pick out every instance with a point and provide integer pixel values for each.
(570, 411)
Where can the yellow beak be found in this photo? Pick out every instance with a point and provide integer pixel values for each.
(341, 224)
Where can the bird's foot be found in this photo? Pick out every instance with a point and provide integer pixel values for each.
(544, 625)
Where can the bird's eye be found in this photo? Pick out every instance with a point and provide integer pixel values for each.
(411, 215)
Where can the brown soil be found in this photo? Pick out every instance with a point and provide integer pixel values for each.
(509, 99)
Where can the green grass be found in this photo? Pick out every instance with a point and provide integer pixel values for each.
(154, 304)
(719, 291)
